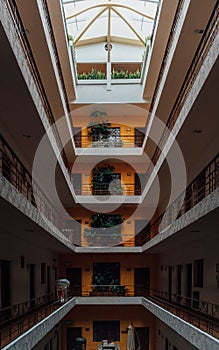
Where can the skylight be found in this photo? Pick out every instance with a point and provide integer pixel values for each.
(100, 24)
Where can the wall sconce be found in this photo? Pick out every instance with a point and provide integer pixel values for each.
(87, 329)
(86, 222)
(128, 174)
(27, 266)
(129, 269)
(128, 129)
(87, 269)
(128, 222)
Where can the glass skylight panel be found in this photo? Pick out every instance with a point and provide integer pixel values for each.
(126, 21)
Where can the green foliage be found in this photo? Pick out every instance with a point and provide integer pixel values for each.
(94, 74)
(104, 228)
(99, 129)
(70, 37)
(126, 74)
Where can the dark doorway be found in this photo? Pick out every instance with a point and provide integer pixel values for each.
(139, 136)
(72, 333)
(170, 280)
(142, 338)
(32, 285)
(5, 284)
(74, 277)
(140, 232)
(76, 179)
(142, 281)
(140, 182)
(77, 137)
(48, 279)
(179, 281)
(189, 283)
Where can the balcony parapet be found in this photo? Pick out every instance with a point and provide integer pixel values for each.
(205, 184)
(18, 40)
(30, 328)
(19, 188)
(204, 58)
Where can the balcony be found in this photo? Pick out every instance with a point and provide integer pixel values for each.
(17, 36)
(202, 186)
(15, 172)
(17, 319)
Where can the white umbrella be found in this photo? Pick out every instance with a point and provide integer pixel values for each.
(130, 338)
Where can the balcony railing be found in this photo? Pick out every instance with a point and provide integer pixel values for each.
(203, 185)
(15, 172)
(30, 61)
(124, 141)
(105, 189)
(17, 319)
(199, 57)
(202, 314)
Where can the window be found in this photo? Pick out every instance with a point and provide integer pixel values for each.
(106, 330)
(198, 273)
(43, 273)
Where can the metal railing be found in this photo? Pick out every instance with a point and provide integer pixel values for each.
(201, 53)
(202, 314)
(204, 184)
(55, 51)
(123, 141)
(16, 173)
(30, 61)
(105, 189)
(17, 319)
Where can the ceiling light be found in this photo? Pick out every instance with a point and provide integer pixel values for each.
(197, 131)
(199, 31)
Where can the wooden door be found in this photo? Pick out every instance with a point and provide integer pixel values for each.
(142, 281)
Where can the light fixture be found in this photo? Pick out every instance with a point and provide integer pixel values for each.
(26, 135)
(197, 131)
(106, 46)
(199, 31)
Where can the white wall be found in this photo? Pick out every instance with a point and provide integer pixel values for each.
(119, 53)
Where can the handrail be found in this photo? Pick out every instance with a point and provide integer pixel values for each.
(15, 172)
(14, 311)
(204, 184)
(123, 141)
(16, 325)
(55, 51)
(167, 51)
(104, 189)
(29, 58)
(200, 313)
(201, 53)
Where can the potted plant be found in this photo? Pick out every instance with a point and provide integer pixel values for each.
(104, 229)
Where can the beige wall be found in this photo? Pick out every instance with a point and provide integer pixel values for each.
(11, 249)
(204, 248)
